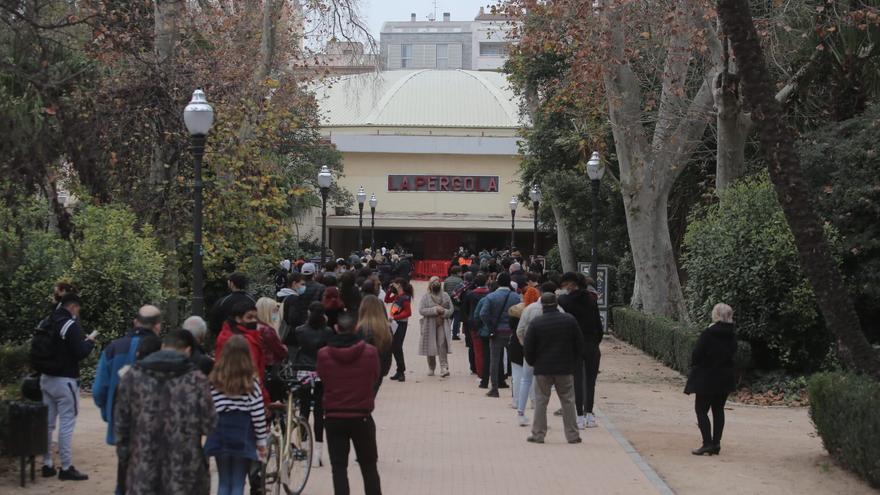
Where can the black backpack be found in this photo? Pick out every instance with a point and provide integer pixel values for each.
(43, 353)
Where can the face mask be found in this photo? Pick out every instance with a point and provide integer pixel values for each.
(435, 289)
(251, 325)
(275, 317)
(301, 290)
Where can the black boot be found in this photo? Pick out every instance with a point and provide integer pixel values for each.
(704, 450)
(716, 449)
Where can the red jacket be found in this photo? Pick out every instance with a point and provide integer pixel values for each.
(255, 342)
(403, 305)
(273, 350)
(349, 370)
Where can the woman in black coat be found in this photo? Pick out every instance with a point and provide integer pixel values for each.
(713, 376)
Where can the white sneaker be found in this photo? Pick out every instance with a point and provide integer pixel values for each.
(581, 422)
(430, 372)
(523, 420)
(591, 421)
(316, 456)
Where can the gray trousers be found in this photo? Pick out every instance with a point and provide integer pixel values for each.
(497, 345)
(61, 396)
(565, 390)
(442, 353)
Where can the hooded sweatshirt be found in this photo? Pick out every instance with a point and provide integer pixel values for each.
(349, 369)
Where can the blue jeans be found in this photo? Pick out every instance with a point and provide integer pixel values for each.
(527, 375)
(231, 472)
(456, 322)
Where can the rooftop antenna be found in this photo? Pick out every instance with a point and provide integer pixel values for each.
(433, 15)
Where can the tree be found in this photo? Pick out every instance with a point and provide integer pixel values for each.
(788, 179)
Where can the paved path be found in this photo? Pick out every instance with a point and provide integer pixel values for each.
(435, 436)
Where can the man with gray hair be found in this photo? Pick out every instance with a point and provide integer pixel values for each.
(196, 326)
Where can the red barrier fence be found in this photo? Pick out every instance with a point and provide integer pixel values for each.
(425, 269)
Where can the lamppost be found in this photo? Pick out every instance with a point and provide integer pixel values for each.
(198, 117)
(535, 195)
(324, 179)
(595, 170)
(362, 198)
(513, 203)
(373, 203)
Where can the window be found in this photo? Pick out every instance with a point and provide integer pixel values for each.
(493, 49)
(442, 56)
(406, 56)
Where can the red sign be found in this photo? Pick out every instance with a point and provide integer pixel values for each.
(443, 183)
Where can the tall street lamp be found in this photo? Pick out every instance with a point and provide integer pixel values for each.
(535, 195)
(373, 203)
(513, 203)
(324, 179)
(595, 170)
(198, 117)
(362, 198)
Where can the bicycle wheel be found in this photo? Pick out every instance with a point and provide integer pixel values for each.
(297, 464)
(272, 467)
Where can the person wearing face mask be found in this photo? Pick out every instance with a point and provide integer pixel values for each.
(576, 300)
(268, 315)
(243, 321)
(436, 331)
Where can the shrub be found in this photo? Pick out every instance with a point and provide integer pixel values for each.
(741, 251)
(117, 268)
(669, 341)
(14, 363)
(844, 409)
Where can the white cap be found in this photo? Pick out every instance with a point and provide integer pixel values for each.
(308, 269)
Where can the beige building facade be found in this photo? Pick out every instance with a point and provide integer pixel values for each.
(438, 148)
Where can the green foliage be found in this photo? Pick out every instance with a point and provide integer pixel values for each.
(33, 259)
(669, 341)
(14, 363)
(844, 407)
(741, 252)
(117, 267)
(842, 163)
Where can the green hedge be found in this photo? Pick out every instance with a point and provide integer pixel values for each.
(14, 363)
(669, 341)
(844, 407)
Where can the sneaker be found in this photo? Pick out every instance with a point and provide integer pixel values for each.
(590, 421)
(581, 422)
(71, 474)
(522, 420)
(402, 378)
(444, 374)
(430, 372)
(576, 440)
(484, 385)
(49, 471)
(492, 393)
(503, 385)
(456, 337)
(558, 412)
(534, 439)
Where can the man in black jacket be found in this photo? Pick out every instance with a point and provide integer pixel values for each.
(60, 387)
(577, 301)
(237, 283)
(297, 312)
(553, 346)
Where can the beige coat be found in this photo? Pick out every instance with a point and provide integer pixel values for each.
(433, 326)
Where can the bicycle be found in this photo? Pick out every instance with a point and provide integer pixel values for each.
(290, 445)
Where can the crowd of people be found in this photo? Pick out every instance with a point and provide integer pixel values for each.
(341, 325)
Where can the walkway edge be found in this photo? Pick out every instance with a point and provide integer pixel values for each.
(633, 454)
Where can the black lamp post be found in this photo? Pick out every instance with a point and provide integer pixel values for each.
(373, 203)
(595, 170)
(324, 179)
(198, 117)
(535, 195)
(513, 204)
(362, 198)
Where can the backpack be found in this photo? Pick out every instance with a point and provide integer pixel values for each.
(43, 351)
(460, 291)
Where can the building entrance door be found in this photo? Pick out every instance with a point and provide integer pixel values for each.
(441, 245)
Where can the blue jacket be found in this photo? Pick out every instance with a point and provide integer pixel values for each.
(118, 354)
(492, 311)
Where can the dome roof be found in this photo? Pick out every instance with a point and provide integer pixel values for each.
(419, 98)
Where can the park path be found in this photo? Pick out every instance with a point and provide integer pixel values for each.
(440, 435)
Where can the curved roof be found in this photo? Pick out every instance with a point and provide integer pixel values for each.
(419, 98)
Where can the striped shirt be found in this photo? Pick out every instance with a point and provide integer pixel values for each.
(252, 403)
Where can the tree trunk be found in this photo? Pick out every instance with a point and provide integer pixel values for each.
(657, 282)
(268, 39)
(563, 240)
(733, 128)
(777, 142)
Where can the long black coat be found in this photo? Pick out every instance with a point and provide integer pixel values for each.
(713, 370)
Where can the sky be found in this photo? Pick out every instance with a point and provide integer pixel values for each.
(379, 11)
